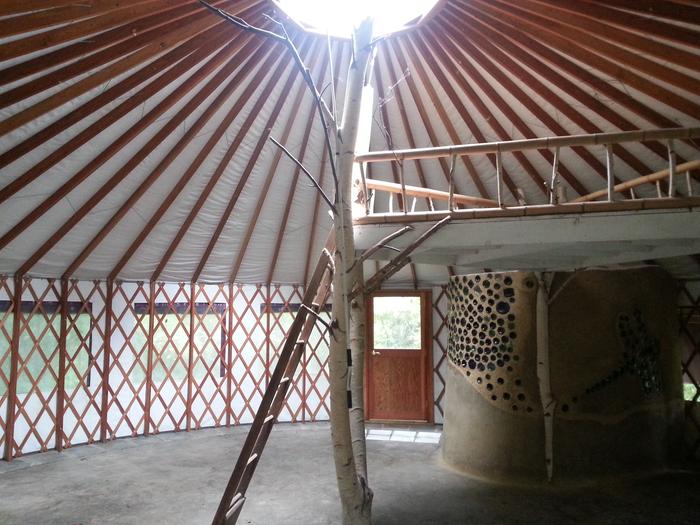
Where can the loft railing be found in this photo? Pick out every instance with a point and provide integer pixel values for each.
(605, 140)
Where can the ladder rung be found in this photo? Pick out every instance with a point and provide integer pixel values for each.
(235, 509)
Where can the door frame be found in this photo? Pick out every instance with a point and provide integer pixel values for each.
(427, 344)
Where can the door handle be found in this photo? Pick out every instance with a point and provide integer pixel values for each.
(374, 352)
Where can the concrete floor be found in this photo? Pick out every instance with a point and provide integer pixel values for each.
(178, 479)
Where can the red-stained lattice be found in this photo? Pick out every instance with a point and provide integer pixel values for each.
(6, 317)
(248, 349)
(85, 322)
(281, 307)
(168, 356)
(128, 363)
(37, 367)
(177, 356)
(210, 363)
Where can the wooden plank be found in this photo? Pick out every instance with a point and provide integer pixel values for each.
(437, 103)
(168, 127)
(501, 32)
(293, 334)
(62, 351)
(417, 191)
(14, 360)
(281, 230)
(250, 90)
(292, 120)
(149, 358)
(106, 360)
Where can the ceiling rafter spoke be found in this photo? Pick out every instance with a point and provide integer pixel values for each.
(484, 111)
(551, 65)
(301, 89)
(120, 142)
(301, 155)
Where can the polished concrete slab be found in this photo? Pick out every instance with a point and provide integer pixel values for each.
(178, 478)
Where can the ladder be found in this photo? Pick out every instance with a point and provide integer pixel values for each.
(315, 295)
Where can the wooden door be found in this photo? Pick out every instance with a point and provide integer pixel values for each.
(399, 375)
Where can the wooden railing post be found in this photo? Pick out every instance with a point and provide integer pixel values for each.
(553, 197)
(609, 162)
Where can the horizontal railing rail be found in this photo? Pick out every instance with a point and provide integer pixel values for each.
(607, 140)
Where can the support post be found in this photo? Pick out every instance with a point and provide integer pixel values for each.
(14, 360)
(549, 404)
(61, 386)
(149, 358)
(347, 427)
(228, 352)
(190, 357)
(105, 360)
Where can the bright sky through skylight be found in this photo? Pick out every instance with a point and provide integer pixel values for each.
(338, 17)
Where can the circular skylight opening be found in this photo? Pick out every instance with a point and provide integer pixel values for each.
(339, 17)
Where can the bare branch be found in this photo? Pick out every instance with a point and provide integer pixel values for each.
(306, 172)
(402, 258)
(321, 106)
(383, 243)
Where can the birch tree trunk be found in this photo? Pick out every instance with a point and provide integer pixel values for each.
(355, 495)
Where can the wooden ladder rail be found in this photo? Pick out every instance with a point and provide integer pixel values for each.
(315, 295)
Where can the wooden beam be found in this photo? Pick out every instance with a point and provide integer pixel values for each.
(37, 139)
(564, 15)
(343, 56)
(646, 179)
(503, 33)
(281, 230)
(62, 351)
(446, 85)
(291, 120)
(190, 358)
(440, 47)
(244, 98)
(680, 11)
(104, 190)
(14, 361)
(492, 54)
(427, 82)
(169, 158)
(401, 107)
(463, 55)
(81, 138)
(242, 180)
(386, 131)
(54, 15)
(417, 191)
(83, 29)
(107, 350)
